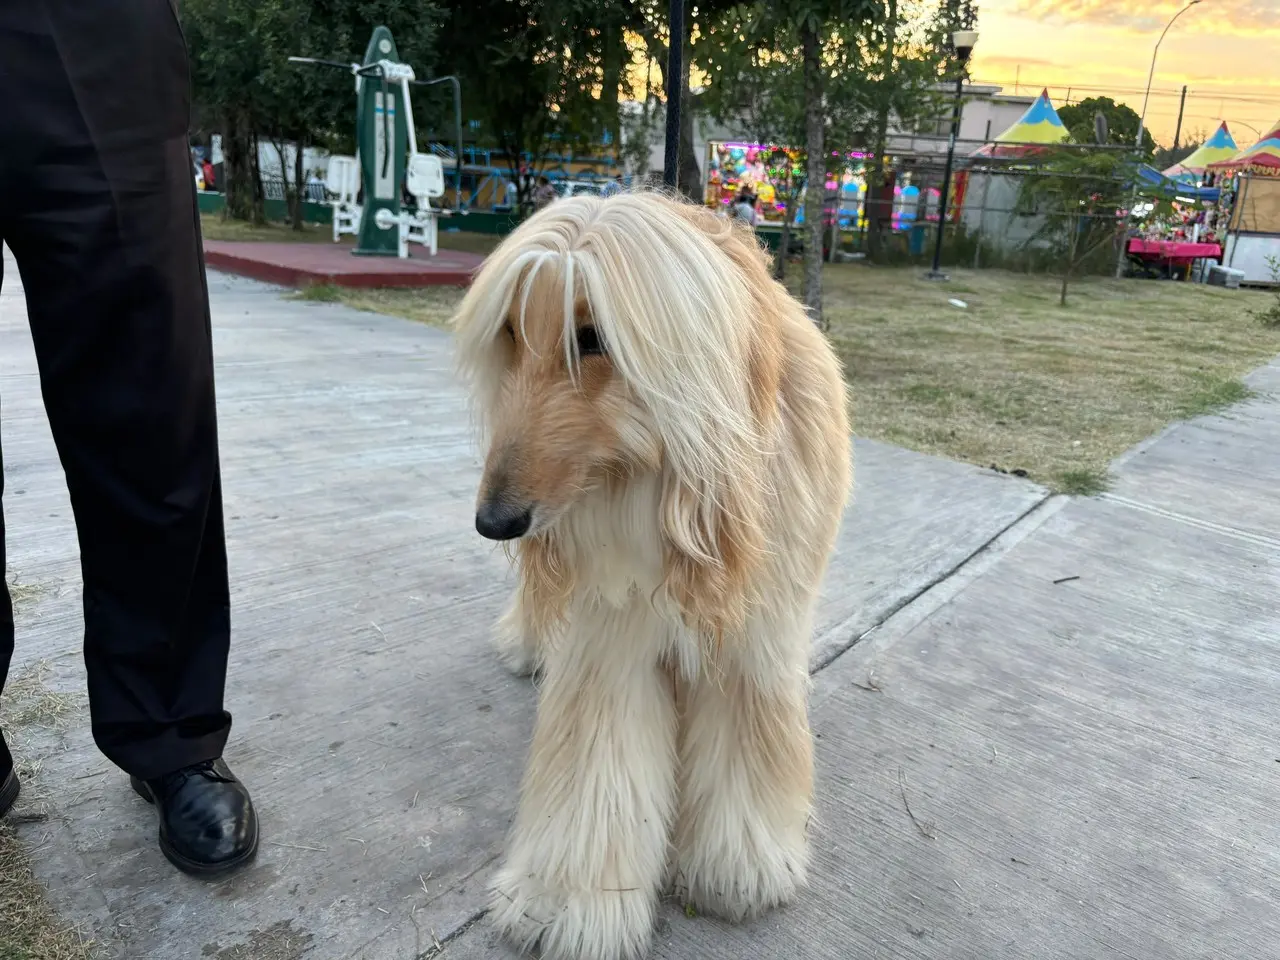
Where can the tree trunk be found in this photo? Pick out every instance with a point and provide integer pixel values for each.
(815, 197)
(689, 173)
(284, 179)
(237, 167)
(299, 181)
(784, 242)
(875, 178)
(611, 67)
(259, 191)
(1074, 226)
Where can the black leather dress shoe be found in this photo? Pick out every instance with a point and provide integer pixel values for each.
(207, 822)
(8, 779)
(8, 789)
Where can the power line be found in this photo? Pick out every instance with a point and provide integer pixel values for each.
(1155, 91)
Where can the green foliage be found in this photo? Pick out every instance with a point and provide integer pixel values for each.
(1083, 482)
(868, 62)
(1122, 123)
(535, 74)
(1269, 316)
(240, 51)
(319, 293)
(245, 88)
(540, 75)
(954, 15)
(1079, 193)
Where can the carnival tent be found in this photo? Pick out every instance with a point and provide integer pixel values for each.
(1040, 127)
(1262, 159)
(1221, 146)
(1149, 180)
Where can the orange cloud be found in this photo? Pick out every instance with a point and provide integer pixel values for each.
(1232, 17)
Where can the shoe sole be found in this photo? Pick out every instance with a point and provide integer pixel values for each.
(194, 867)
(9, 792)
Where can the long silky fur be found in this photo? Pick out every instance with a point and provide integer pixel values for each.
(669, 600)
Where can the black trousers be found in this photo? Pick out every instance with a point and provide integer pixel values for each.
(97, 205)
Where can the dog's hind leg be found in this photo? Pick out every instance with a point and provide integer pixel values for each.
(588, 850)
(515, 640)
(746, 784)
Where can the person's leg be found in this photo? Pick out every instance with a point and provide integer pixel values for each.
(106, 236)
(8, 778)
(101, 216)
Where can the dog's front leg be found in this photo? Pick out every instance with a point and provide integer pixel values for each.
(746, 775)
(515, 638)
(588, 850)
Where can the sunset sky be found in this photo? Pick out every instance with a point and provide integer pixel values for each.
(1226, 51)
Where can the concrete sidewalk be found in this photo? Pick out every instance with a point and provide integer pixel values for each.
(1090, 765)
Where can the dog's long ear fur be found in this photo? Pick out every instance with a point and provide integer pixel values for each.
(715, 523)
(692, 323)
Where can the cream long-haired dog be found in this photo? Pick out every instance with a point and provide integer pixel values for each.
(668, 445)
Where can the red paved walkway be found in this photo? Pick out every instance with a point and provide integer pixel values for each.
(302, 264)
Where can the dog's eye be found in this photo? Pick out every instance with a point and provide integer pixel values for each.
(509, 331)
(589, 343)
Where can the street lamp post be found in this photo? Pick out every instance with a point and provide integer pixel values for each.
(675, 89)
(1146, 96)
(963, 41)
(1122, 259)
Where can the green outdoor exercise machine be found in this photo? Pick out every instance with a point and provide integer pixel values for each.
(386, 144)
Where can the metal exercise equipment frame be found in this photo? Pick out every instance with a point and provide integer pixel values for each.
(385, 139)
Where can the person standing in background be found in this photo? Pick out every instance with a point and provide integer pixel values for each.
(98, 208)
(545, 194)
(614, 187)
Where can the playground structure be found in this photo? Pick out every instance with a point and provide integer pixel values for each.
(368, 189)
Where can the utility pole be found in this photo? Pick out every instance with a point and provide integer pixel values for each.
(1182, 105)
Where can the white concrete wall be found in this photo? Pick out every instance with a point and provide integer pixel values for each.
(1249, 253)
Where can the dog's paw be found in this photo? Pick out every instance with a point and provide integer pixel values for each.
(515, 655)
(601, 924)
(516, 651)
(738, 887)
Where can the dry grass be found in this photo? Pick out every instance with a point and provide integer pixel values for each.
(430, 305)
(28, 701)
(22, 595)
(213, 227)
(29, 929)
(1012, 380)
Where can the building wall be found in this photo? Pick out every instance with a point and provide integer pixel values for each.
(984, 114)
(989, 204)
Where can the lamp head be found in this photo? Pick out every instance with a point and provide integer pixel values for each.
(965, 40)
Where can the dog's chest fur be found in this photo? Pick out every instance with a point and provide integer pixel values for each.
(612, 543)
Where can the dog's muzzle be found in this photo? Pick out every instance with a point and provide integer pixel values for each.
(502, 520)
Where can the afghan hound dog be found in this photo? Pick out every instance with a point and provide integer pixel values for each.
(668, 449)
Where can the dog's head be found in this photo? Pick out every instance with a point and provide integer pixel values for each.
(609, 337)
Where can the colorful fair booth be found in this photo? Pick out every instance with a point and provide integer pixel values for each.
(1221, 146)
(768, 171)
(989, 187)
(1250, 184)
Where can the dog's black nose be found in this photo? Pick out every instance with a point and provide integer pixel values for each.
(500, 520)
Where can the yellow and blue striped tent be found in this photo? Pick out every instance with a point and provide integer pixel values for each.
(1038, 128)
(1262, 159)
(1221, 146)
